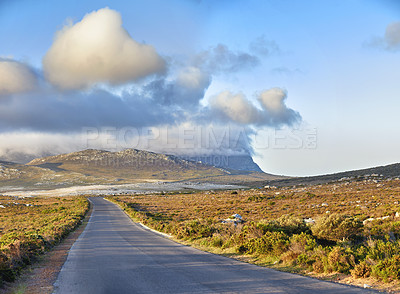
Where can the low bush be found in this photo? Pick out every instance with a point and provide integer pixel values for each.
(194, 229)
(318, 266)
(337, 227)
(387, 269)
(361, 270)
(340, 261)
(288, 224)
(272, 243)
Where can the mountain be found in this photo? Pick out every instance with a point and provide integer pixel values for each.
(94, 167)
(232, 162)
(15, 175)
(129, 164)
(99, 167)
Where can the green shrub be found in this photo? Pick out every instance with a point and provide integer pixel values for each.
(379, 249)
(302, 243)
(361, 252)
(253, 230)
(242, 249)
(336, 227)
(6, 272)
(217, 241)
(298, 246)
(272, 243)
(305, 259)
(318, 266)
(289, 257)
(288, 224)
(361, 270)
(194, 229)
(387, 269)
(340, 261)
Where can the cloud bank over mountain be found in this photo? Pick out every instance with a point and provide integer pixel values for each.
(96, 80)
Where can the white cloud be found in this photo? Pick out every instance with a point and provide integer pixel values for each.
(15, 77)
(24, 146)
(236, 107)
(193, 77)
(98, 50)
(275, 111)
(273, 100)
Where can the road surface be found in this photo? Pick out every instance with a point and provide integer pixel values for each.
(116, 255)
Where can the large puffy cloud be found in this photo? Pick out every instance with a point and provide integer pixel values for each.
(276, 110)
(98, 50)
(237, 108)
(273, 100)
(16, 77)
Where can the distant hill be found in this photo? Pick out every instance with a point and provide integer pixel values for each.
(387, 171)
(93, 167)
(129, 164)
(11, 172)
(15, 175)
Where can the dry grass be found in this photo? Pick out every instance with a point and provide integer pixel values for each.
(368, 198)
(30, 226)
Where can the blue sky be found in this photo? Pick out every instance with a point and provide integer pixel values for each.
(330, 58)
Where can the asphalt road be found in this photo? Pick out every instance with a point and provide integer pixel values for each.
(114, 255)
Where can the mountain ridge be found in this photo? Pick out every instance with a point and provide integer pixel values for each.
(385, 171)
(93, 167)
(127, 164)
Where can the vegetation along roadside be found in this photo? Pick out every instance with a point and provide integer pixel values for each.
(346, 231)
(31, 226)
